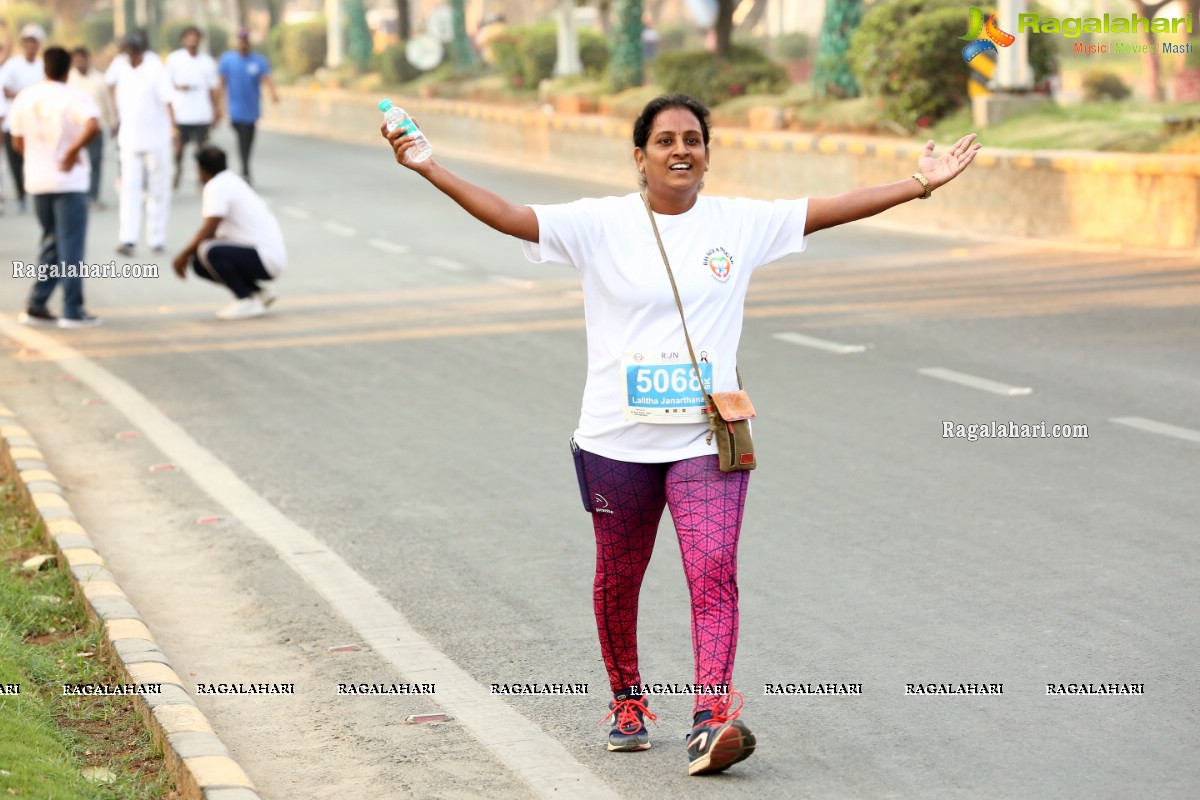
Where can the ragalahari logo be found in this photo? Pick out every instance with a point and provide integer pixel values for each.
(982, 37)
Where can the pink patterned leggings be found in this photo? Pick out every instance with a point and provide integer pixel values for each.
(706, 506)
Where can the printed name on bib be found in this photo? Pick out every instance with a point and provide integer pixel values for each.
(662, 387)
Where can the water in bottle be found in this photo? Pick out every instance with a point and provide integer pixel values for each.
(396, 117)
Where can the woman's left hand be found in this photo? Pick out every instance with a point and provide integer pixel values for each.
(940, 171)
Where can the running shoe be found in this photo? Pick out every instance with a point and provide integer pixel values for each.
(245, 308)
(125, 249)
(629, 732)
(37, 318)
(265, 297)
(83, 321)
(719, 739)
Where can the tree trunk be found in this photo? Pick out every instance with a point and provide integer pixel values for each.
(403, 21)
(757, 13)
(460, 47)
(626, 61)
(724, 27)
(1150, 60)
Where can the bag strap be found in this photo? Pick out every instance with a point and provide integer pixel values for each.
(679, 303)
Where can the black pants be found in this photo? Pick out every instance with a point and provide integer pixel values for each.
(16, 163)
(245, 137)
(237, 267)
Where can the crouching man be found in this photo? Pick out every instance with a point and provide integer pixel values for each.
(239, 245)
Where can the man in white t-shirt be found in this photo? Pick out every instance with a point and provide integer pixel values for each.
(239, 245)
(51, 124)
(143, 98)
(20, 71)
(197, 99)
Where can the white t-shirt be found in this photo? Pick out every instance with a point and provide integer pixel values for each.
(245, 219)
(17, 74)
(52, 116)
(192, 105)
(143, 93)
(636, 349)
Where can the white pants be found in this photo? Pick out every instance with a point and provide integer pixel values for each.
(151, 172)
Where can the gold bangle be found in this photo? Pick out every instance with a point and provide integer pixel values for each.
(921, 179)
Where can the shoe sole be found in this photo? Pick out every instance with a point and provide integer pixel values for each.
(37, 322)
(734, 743)
(627, 748)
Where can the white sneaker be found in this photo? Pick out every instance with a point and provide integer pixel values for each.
(266, 297)
(243, 309)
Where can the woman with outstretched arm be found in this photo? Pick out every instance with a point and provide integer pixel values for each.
(660, 268)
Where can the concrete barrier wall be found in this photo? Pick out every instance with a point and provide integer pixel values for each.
(1123, 200)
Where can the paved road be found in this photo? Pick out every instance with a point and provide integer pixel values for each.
(409, 403)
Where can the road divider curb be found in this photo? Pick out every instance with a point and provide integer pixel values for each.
(1128, 200)
(198, 760)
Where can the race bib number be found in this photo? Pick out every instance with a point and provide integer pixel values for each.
(664, 387)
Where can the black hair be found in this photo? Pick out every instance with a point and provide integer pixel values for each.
(190, 29)
(641, 126)
(211, 159)
(57, 62)
(81, 51)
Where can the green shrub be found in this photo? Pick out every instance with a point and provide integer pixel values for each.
(275, 39)
(1099, 85)
(98, 31)
(526, 55)
(304, 46)
(506, 48)
(907, 52)
(21, 14)
(539, 50)
(593, 52)
(712, 79)
(677, 36)
(793, 46)
(1192, 61)
(217, 39)
(394, 67)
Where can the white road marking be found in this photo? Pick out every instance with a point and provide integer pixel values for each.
(338, 228)
(297, 213)
(1150, 426)
(983, 384)
(446, 263)
(820, 344)
(532, 754)
(389, 247)
(520, 283)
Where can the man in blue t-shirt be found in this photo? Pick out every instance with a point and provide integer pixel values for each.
(242, 74)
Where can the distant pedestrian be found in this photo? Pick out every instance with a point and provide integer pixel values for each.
(91, 80)
(197, 99)
(143, 100)
(6, 47)
(239, 245)
(242, 74)
(20, 71)
(51, 124)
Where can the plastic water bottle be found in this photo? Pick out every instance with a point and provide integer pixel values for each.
(397, 117)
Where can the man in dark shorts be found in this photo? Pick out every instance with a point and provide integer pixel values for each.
(239, 245)
(197, 94)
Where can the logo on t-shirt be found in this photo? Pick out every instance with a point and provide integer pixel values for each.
(720, 263)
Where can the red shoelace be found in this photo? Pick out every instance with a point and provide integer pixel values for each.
(627, 712)
(725, 710)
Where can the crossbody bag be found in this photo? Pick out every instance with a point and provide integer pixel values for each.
(729, 413)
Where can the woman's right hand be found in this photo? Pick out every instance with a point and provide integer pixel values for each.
(400, 146)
